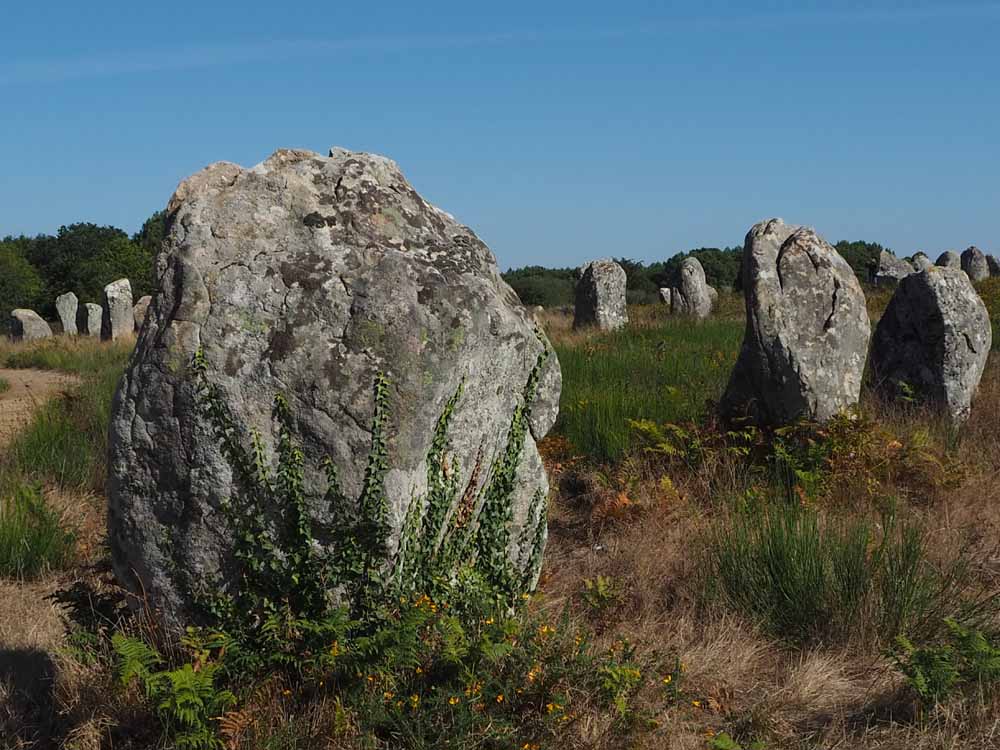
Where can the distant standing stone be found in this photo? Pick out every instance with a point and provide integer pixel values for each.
(975, 265)
(27, 325)
(933, 341)
(807, 329)
(600, 296)
(921, 262)
(665, 296)
(66, 306)
(139, 311)
(692, 296)
(88, 319)
(949, 259)
(713, 294)
(116, 310)
(890, 270)
(993, 264)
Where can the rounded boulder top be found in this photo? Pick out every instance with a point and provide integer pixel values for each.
(309, 277)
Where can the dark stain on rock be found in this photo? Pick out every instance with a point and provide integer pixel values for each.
(314, 220)
(280, 344)
(425, 295)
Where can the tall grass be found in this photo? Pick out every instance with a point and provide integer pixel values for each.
(63, 445)
(808, 580)
(665, 372)
(32, 537)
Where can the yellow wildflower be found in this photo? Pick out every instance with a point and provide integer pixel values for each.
(453, 700)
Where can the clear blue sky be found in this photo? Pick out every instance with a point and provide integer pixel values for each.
(559, 131)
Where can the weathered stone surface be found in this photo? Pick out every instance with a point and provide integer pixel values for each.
(993, 264)
(66, 306)
(88, 319)
(600, 296)
(116, 310)
(692, 296)
(139, 311)
(306, 276)
(890, 270)
(807, 329)
(949, 259)
(713, 294)
(933, 341)
(665, 294)
(974, 264)
(921, 262)
(27, 325)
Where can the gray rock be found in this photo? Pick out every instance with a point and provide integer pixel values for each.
(139, 310)
(713, 294)
(67, 305)
(921, 262)
(933, 341)
(665, 294)
(807, 329)
(975, 265)
(890, 270)
(27, 325)
(949, 259)
(600, 296)
(692, 297)
(993, 264)
(116, 311)
(88, 319)
(306, 276)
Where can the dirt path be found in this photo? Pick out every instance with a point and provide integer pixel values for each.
(28, 390)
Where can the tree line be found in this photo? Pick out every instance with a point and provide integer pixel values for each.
(553, 287)
(80, 258)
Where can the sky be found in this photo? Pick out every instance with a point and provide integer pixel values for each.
(558, 131)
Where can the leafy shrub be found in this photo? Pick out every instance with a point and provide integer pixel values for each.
(33, 539)
(808, 581)
(963, 657)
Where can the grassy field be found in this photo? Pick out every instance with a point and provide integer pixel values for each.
(825, 587)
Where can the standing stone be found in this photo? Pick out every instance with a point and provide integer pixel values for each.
(665, 294)
(600, 296)
(88, 319)
(692, 296)
(139, 311)
(949, 259)
(933, 341)
(27, 325)
(993, 264)
(807, 329)
(890, 270)
(67, 306)
(116, 311)
(921, 262)
(713, 294)
(307, 277)
(975, 265)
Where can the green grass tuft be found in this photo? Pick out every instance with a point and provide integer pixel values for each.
(33, 539)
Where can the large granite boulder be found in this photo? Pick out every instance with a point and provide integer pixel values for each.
(975, 265)
(139, 311)
(600, 296)
(890, 270)
(116, 311)
(807, 329)
(88, 319)
(933, 341)
(921, 262)
(67, 306)
(949, 259)
(691, 296)
(27, 325)
(993, 264)
(306, 277)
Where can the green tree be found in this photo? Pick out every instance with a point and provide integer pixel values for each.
(20, 283)
(861, 256)
(152, 233)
